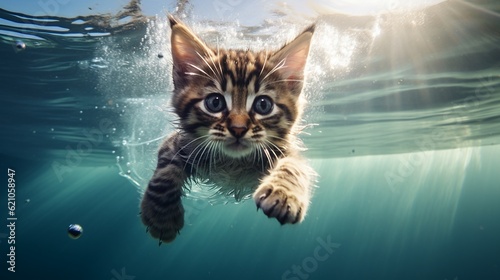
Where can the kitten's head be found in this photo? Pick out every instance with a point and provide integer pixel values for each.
(240, 100)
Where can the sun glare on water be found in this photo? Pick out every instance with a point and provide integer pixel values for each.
(368, 7)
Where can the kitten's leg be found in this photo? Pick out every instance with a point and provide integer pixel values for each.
(284, 194)
(161, 206)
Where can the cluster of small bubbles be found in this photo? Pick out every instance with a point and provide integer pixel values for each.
(83, 64)
(113, 129)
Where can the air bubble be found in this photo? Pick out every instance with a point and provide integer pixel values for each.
(124, 142)
(19, 46)
(83, 64)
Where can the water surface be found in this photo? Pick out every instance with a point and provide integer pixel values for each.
(403, 127)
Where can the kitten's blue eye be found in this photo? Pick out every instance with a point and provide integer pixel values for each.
(263, 105)
(215, 103)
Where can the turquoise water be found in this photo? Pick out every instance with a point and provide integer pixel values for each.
(403, 128)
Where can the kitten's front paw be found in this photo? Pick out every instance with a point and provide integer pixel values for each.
(162, 222)
(280, 203)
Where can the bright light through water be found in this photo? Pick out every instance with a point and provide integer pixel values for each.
(368, 7)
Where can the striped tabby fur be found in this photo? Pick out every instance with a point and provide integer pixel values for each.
(238, 111)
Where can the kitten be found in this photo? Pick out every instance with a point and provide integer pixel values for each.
(238, 111)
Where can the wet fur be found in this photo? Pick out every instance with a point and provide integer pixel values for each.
(247, 147)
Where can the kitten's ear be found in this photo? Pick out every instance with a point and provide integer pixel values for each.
(187, 50)
(292, 59)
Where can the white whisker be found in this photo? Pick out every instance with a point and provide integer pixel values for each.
(189, 143)
(195, 150)
(202, 71)
(285, 80)
(260, 157)
(200, 159)
(281, 138)
(272, 150)
(278, 66)
(208, 64)
(263, 65)
(268, 156)
(218, 58)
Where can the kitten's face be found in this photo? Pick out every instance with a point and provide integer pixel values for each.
(239, 102)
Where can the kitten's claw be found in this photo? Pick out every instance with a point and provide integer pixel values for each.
(280, 203)
(270, 210)
(283, 219)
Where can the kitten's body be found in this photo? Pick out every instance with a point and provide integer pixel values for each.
(238, 112)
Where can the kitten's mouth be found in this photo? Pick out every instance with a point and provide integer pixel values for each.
(237, 147)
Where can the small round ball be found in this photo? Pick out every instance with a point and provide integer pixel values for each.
(20, 46)
(75, 231)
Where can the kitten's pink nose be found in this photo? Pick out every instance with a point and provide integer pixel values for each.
(238, 124)
(238, 131)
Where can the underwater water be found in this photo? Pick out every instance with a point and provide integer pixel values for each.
(403, 128)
